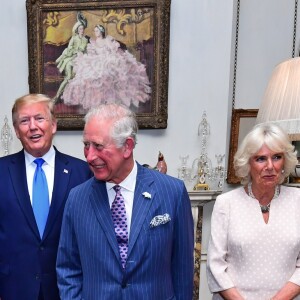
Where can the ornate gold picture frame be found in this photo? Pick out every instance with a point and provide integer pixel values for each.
(242, 122)
(130, 65)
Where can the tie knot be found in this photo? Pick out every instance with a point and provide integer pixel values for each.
(117, 188)
(39, 161)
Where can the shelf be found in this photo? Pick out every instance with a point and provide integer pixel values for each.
(202, 197)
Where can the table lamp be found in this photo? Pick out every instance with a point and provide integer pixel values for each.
(281, 101)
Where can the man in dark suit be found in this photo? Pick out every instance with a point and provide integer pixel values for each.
(27, 257)
(127, 233)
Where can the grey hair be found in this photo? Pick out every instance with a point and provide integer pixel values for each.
(31, 99)
(275, 139)
(124, 121)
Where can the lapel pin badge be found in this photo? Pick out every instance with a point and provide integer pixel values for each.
(66, 171)
(147, 195)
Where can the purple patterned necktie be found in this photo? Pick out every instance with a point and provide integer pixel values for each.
(118, 213)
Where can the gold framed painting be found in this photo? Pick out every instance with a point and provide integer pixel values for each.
(242, 121)
(83, 53)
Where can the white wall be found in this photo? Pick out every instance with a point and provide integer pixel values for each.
(196, 69)
(265, 39)
(201, 49)
(201, 64)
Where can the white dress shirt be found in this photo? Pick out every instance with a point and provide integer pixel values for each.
(48, 168)
(127, 191)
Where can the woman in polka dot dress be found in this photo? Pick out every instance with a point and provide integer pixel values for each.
(254, 249)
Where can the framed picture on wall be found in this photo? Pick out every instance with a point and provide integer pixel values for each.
(242, 121)
(86, 52)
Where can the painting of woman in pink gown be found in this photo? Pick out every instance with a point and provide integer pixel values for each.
(107, 74)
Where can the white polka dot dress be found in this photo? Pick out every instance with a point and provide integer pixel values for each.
(246, 253)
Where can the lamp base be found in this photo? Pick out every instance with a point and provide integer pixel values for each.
(201, 186)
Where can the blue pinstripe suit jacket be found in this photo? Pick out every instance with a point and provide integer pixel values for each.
(160, 259)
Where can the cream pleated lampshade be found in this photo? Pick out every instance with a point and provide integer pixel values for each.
(281, 101)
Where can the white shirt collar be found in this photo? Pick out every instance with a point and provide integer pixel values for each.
(128, 183)
(49, 157)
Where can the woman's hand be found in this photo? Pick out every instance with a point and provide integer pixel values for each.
(231, 294)
(288, 292)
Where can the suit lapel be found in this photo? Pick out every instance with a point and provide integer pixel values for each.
(141, 204)
(100, 204)
(17, 171)
(62, 173)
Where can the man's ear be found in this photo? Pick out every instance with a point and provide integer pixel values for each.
(128, 147)
(54, 127)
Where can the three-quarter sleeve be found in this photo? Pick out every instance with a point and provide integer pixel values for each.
(218, 279)
(296, 275)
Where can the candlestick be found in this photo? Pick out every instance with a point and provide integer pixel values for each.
(6, 136)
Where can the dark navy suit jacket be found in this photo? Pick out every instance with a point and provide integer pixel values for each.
(27, 262)
(160, 258)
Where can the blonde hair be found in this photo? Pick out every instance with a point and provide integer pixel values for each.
(30, 99)
(275, 139)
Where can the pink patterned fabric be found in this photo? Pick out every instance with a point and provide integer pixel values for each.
(118, 213)
(107, 74)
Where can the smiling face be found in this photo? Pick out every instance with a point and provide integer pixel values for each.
(35, 127)
(108, 163)
(266, 167)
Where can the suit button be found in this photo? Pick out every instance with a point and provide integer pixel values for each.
(42, 248)
(124, 285)
(37, 276)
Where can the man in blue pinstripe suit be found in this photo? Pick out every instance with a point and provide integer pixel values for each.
(159, 251)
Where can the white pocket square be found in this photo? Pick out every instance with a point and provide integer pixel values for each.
(160, 220)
